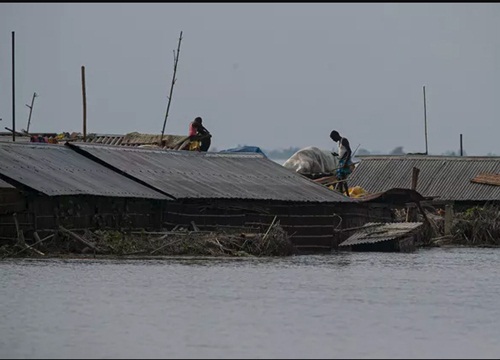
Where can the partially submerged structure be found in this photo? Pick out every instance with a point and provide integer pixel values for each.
(388, 237)
(81, 186)
(463, 181)
(53, 186)
(237, 189)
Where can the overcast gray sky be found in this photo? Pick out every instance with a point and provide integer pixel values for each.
(269, 75)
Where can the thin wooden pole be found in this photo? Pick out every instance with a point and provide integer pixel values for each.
(414, 178)
(13, 89)
(411, 212)
(31, 110)
(84, 98)
(425, 124)
(448, 218)
(461, 146)
(176, 59)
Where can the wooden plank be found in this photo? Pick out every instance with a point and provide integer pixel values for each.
(487, 178)
(411, 213)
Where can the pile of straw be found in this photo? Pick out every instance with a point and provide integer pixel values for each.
(478, 226)
(274, 242)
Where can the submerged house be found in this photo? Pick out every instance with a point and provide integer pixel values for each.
(86, 186)
(51, 186)
(461, 181)
(217, 190)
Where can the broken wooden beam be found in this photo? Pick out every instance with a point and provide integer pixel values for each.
(79, 238)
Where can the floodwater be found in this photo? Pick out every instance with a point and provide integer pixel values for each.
(436, 303)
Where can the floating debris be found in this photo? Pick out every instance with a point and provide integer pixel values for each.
(398, 237)
(274, 242)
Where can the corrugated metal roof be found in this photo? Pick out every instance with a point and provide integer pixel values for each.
(5, 185)
(377, 232)
(132, 139)
(108, 139)
(442, 177)
(189, 174)
(58, 170)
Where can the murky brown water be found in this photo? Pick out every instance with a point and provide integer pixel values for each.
(439, 303)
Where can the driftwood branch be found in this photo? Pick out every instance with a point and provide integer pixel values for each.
(165, 245)
(27, 247)
(37, 237)
(21, 242)
(195, 228)
(79, 238)
(270, 227)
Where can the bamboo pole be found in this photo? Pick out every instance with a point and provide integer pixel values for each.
(84, 98)
(176, 59)
(270, 227)
(411, 212)
(13, 89)
(425, 124)
(31, 110)
(448, 219)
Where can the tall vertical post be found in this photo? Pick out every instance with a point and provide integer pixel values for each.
(425, 124)
(448, 218)
(13, 89)
(176, 59)
(461, 146)
(84, 98)
(411, 212)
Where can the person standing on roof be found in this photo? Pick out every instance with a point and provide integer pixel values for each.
(200, 137)
(345, 162)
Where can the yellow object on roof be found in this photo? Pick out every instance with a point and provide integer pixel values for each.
(357, 191)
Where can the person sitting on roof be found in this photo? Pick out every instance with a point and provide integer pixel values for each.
(199, 136)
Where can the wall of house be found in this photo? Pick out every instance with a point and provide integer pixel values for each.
(45, 214)
(312, 226)
(12, 201)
